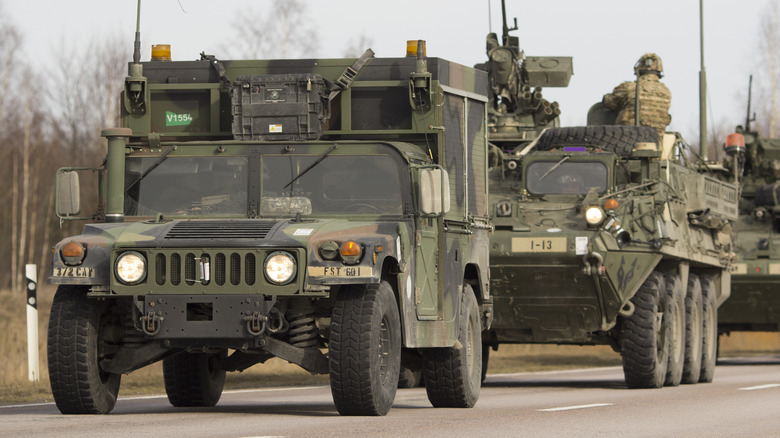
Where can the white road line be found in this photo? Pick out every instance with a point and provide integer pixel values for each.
(753, 388)
(570, 408)
(150, 397)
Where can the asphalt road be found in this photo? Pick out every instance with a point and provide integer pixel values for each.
(743, 401)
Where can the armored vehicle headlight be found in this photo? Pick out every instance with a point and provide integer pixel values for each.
(130, 267)
(280, 267)
(73, 253)
(594, 215)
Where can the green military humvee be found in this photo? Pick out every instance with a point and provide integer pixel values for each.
(329, 212)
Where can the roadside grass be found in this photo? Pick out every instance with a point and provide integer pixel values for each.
(16, 388)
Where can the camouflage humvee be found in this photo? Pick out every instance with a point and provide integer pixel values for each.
(329, 212)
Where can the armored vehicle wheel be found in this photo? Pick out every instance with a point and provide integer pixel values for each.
(452, 375)
(693, 331)
(76, 325)
(365, 350)
(644, 337)
(674, 316)
(409, 378)
(709, 329)
(194, 379)
(614, 138)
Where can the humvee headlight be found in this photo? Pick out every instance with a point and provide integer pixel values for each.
(329, 250)
(72, 253)
(594, 215)
(280, 267)
(130, 267)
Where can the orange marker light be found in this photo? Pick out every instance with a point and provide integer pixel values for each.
(611, 204)
(350, 249)
(72, 249)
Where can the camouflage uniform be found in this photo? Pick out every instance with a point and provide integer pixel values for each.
(654, 98)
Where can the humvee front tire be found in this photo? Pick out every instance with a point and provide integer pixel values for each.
(78, 384)
(674, 316)
(193, 379)
(614, 138)
(365, 350)
(709, 329)
(453, 375)
(644, 337)
(693, 331)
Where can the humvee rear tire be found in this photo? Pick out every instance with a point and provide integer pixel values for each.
(365, 350)
(485, 359)
(693, 331)
(644, 339)
(194, 379)
(78, 384)
(453, 375)
(613, 138)
(674, 316)
(709, 329)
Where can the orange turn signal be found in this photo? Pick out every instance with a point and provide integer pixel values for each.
(611, 204)
(350, 249)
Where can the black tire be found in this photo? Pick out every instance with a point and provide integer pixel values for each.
(644, 341)
(674, 316)
(485, 359)
(365, 350)
(614, 138)
(194, 379)
(709, 329)
(453, 375)
(409, 378)
(693, 331)
(78, 384)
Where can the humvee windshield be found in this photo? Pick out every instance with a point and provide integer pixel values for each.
(219, 186)
(565, 177)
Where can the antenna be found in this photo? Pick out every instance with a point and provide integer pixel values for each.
(137, 43)
(747, 116)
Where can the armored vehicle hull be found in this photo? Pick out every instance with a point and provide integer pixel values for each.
(600, 242)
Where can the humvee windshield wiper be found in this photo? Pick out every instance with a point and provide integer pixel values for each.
(151, 168)
(316, 162)
(557, 165)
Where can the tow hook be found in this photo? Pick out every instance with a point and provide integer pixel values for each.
(151, 323)
(256, 323)
(598, 268)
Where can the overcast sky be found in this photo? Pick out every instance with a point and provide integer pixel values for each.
(605, 38)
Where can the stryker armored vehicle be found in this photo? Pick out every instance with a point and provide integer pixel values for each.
(603, 235)
(754, 304)
(329, 212)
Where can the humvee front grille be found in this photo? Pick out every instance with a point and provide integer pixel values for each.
(219, 267)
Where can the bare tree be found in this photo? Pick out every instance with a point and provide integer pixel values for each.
(357, 46)
(769, 75)
(282, 31)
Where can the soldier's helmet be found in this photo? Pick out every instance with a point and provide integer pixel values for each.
(649, 63)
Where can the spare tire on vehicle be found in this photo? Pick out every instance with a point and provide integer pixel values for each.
(613, 138)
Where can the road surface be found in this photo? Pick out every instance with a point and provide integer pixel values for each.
(744, 400)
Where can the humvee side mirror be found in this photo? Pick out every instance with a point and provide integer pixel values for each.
(68, 201)
(434, 191)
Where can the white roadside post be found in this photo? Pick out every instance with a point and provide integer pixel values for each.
(32, 323)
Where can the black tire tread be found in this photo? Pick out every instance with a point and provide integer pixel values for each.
(447, 382)
(72, 355)
(351, 377)
(675, 302)
(614, 138)
(638, 340)
(693, 331)
(709, 329)
(188, 381)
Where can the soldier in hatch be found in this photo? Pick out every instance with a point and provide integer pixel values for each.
(654, 98)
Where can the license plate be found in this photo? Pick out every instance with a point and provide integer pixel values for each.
(538, 244)
(74, 272)
(341, 271)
